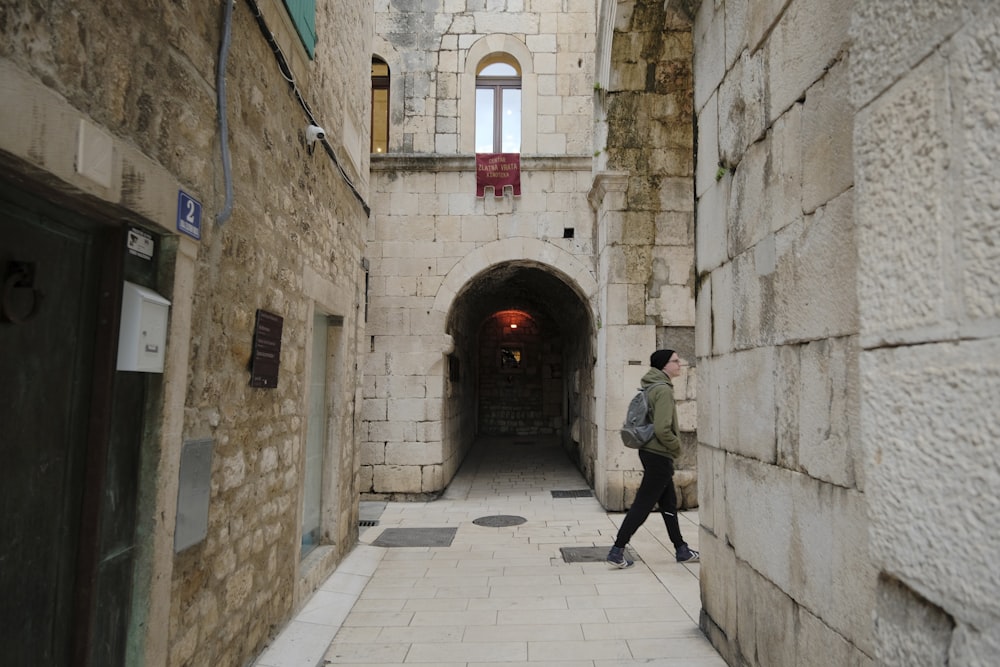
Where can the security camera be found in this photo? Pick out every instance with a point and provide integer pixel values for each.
(315, 133)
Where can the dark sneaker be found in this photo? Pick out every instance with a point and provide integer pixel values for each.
(616, 558)
(687, 555)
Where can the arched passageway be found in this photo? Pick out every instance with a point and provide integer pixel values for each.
(522, 362)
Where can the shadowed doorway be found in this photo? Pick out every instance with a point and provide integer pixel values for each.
(520, 375)
(522, 364)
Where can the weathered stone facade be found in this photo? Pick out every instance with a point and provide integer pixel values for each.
(843, 236)
(109, 109)
(645, 216)
(926, 144)
(843, 347)
(599, 242)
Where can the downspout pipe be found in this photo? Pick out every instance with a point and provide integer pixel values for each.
(220, 87)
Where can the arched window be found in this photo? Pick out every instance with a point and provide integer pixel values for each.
(380, 106)
(498, 105)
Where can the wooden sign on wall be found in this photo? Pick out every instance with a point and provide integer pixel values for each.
(266, 350)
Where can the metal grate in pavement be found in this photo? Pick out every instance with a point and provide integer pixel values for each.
(592, 554)
(415, 537)
(579, 493)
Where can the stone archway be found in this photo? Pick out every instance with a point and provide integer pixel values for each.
(571, 269)
(535, 378)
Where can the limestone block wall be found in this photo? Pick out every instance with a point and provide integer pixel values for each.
(786, 576)
(293, 247)
(644, 205)
(642, 249)
(429, 238)
(526, 398)
(929, 301)
(143, 81)
(432, 49)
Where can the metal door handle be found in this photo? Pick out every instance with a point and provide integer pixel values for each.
(20, 276)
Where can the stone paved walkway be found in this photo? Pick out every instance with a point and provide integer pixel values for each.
(503, 594)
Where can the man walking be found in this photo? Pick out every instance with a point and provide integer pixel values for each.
(657, 457)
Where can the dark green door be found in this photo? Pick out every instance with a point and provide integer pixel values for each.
(47, 332)
(70, 440)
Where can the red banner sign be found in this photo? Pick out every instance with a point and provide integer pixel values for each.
(498, 170)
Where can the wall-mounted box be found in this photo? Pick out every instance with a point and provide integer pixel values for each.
(142, 339)
(194, 490)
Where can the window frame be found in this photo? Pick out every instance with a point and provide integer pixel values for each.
(379, 83)
(478, 52)
(316, 445)
(497, 85)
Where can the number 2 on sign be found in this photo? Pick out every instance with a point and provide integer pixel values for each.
(188, 215)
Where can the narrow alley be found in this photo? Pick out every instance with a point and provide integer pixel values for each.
(517, 578)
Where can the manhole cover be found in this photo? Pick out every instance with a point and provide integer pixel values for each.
(581, 493)
(415, 537)
(499, 521)
(592, 554)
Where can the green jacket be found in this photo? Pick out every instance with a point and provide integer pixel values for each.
(661, 399)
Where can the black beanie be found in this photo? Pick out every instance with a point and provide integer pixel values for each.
(660, 358)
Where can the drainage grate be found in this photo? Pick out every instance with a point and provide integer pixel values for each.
(415, 537)
(367, 523)
(499, 521)
(591, 554)
(581, 493)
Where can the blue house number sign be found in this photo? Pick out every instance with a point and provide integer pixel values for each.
(188, 215)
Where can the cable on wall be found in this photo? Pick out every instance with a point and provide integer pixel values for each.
(286, 72)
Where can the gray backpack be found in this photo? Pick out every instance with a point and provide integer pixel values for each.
(638, 427)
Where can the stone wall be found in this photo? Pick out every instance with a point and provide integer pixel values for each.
(929, 300)
(293, 247)
(847, 327)
(624, 262)
(524, 395)
(140, 82)
(778, 337)
(847, 317)
(431, 242)
(644, 204)
(429, 45)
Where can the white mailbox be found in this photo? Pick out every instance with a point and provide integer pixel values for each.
(142, 338)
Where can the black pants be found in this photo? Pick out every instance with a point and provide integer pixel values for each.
(657, 486)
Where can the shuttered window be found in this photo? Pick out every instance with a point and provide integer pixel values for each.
(303, 14)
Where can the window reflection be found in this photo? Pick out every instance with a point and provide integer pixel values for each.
(498, 106)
